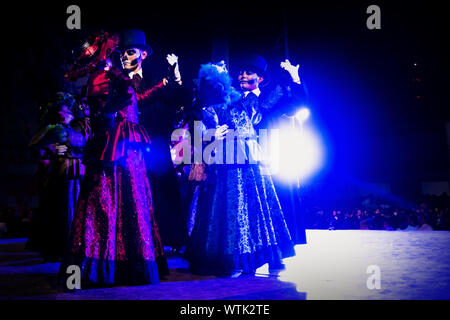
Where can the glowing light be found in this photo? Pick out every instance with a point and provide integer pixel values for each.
(298, 153)
(302, 114)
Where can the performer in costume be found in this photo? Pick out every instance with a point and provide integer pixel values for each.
(158, 112)
(59, 146)
(114, 237)
(239, 223)
(274, 104)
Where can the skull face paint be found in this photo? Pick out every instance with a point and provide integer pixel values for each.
(249, 80)
(132, 59)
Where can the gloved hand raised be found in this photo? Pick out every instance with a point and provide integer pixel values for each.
(293, 70)
(174, 69)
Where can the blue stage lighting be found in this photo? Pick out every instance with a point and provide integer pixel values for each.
(302, 114)
(298, 153)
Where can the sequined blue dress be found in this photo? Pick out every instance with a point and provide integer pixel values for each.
(239, 224)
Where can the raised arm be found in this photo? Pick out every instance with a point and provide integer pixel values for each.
(172, 82)
(152, 93)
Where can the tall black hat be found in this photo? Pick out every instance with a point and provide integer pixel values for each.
(134, 38)
(255, 62)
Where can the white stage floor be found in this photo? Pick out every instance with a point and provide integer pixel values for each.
(333, 265)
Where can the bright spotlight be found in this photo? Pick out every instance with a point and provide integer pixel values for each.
(298, 154)
(302, 114)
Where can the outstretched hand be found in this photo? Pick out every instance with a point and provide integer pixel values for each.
(172, 59)
(221, 131)
(293, 70)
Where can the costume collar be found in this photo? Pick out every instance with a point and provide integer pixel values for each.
(132, 73)
(257, 92)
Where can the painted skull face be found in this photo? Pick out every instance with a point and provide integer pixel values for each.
(132, 59)
(249, 80)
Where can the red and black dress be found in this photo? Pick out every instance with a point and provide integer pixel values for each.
(114, 237)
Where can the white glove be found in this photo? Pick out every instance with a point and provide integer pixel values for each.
(293, 70)
(221, 132)
(172, 59)
(60, 149)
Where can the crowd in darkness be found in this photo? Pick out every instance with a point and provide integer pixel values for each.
(371, 213)
(430, 212)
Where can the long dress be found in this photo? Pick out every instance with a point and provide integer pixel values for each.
(239, 224)
(114, 237)
(60, 182)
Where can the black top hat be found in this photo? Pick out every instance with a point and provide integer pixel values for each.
(255, 63)
(134, 38)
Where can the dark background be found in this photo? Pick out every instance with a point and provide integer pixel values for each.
(380, 123)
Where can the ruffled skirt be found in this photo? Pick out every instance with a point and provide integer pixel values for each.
(114, 237)
(239, 224)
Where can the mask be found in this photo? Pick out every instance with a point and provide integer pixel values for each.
(132, 59)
